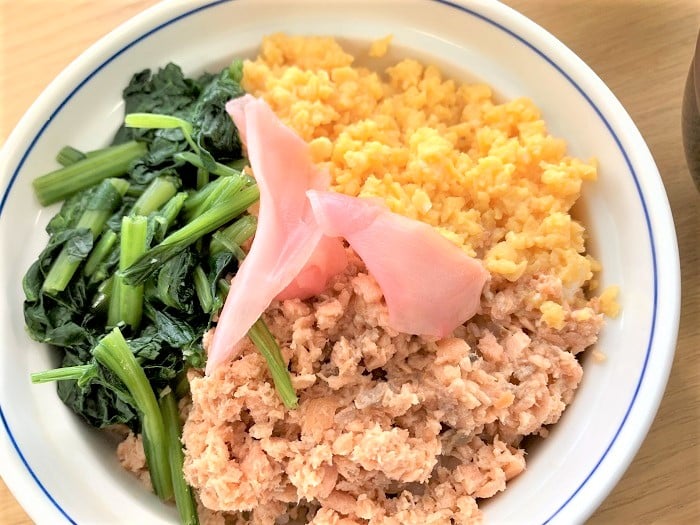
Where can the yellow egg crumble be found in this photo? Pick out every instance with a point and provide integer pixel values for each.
(488, 175)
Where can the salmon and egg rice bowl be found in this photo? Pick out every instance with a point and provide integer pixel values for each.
(394, 428)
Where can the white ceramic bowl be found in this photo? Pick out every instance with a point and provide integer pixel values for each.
(60, 471)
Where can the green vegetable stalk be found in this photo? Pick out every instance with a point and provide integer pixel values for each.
(232, 237)
(64, 182)
(260, 334)
(235, 70)
(203, 290)
(158, 121)
(196, 199)
(202, 178)
(103, 296)
(126, 304)
(184, 499)
(239, 164)
(114, 353)
(70, 155)
(80, 373)
(99, 252)
(221, 192)
(222, 170)
(156, 195)
(103, 202)
(167, 214)
(177, 241)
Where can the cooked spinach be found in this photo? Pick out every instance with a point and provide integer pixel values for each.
(214, 129)
(135, 265)
(73, 319)
(200, 101)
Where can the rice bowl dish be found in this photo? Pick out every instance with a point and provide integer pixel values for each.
(397, 427)
(393, 428)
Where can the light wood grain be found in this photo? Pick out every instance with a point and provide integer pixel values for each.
(640, 48)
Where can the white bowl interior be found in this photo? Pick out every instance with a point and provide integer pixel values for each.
(570, 472)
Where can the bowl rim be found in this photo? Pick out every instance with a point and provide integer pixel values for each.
(666, 310)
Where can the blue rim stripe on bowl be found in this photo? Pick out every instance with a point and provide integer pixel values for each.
(447, 3)
(31, 472)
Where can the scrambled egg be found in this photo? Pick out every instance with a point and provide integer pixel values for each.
(486, 174)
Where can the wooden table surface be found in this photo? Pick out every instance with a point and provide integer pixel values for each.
(640, 48)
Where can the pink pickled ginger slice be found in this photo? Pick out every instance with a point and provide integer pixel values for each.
(430, 285)
(287, 234)
(328, 259)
